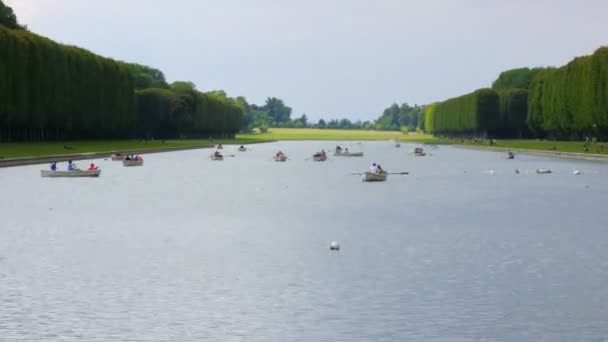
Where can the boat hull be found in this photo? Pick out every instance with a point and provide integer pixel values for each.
(70, 174)
(280, 159)
(374, 177)
(348, 154)
(319, 159)
(217, 158)
(132, 162)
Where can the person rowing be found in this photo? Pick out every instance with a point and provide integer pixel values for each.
(338, 149)
(71, 166)
(54, 166)
(373, 168)
(280, 154)
(217, 154)
(92, 167)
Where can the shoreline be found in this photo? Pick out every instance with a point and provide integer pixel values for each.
(37, 160)
(540, 153)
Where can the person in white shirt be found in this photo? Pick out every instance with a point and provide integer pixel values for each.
(373, 168)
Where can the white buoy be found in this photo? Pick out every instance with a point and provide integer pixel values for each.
(334, 246)
(577, 172)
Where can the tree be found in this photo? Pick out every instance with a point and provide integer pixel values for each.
(277, 110)
(321, 124)
(515, 78)
(8, 17)
(183, 86)
(146, 77)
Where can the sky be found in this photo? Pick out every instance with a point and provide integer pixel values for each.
(328, 58)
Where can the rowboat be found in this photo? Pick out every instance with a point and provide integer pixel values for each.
(75, 173)
(419, 152)
(397, 144)
(280, 158)
(319, 158)
(348, 154)
(543, 171)
(216, 157)
(374, 177)
(118, 157)
(510, 155)
(242, 149)
(131, 162)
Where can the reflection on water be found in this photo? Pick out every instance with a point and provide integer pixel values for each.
(189, 249)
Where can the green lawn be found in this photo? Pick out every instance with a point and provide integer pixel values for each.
(16, 150)
(335, 134)
(545, 145)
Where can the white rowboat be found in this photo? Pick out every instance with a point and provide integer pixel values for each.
(214, 157)
(375, 177)
(75, 173)
(543, 171)
(130, 162)
(280, 158)
(242, 149)
(319, 158)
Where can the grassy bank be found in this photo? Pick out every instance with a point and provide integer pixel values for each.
(541, 145)
(17, 150)
(335, 134)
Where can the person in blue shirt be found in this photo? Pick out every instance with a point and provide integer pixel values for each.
(54, 166)
(71, 166)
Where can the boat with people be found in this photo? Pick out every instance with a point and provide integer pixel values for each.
(320, 156)
(419, 152)
(375, 174)
(280, 157)
(344, 152)
(375, 177)
(397, 143)
(217, 156)
(133, 161)
(510, 155)
(220, 147)
(544, 171)
(74, 173)
(242, 149)
(71, 172)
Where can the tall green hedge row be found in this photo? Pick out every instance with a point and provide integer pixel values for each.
(50, 91)
(474, 113)
(164, 113)
(571, 101)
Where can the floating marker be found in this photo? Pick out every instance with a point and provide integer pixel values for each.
(334, 246)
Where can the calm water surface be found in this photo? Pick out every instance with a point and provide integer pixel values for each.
(187, 249)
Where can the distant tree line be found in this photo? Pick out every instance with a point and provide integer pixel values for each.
(50, 91)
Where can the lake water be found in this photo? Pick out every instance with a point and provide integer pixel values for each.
(189, 249)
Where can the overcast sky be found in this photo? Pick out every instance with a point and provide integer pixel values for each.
(328, 58)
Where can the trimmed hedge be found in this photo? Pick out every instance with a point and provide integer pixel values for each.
(571, 101)
(474, 113)
(53, 91)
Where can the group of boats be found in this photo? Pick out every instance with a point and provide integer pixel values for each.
(92, 171)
